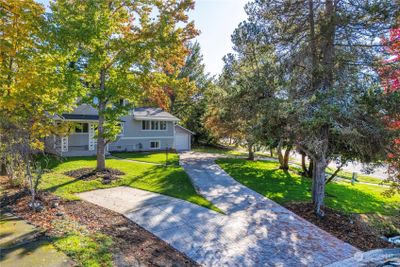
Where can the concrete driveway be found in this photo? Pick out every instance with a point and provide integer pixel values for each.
(254, 231)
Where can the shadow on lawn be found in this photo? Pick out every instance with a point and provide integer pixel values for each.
(158, 157)
(283, 186)
(169, 180)
(276, 238)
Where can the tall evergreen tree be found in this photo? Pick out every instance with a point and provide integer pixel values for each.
(329, 51)
(191, 105)
(247, 86)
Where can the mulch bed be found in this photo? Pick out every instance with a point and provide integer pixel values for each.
(348, 228)
(133, 245)
(87, 174)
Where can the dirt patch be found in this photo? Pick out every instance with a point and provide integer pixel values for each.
(349, 228)
(133, 245)
(108, 175)
(148, 249)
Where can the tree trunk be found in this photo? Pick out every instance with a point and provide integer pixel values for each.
(310, 168)
(251, 152)
(303, 164)
(3, 171)
(30, 180)
(313, 46)
(101, 157)
(271, 151)
(335, 173)
(283, 158)
(285, 165)
(101, 144)
(318, 185)
(279, 152)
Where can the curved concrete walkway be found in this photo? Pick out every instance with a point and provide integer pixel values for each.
(264, 233)
(254, 231)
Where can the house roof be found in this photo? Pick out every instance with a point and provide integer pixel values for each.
(80, 117)
(84, 113)
(148, 113)
(183, 128)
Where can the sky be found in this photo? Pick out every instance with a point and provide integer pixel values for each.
(216, 20)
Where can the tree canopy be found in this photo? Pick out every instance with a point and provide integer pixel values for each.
(327, 94)
(123, 50)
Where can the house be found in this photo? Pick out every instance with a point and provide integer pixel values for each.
(144, 129)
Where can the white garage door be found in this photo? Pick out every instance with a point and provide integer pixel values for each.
(181, 141)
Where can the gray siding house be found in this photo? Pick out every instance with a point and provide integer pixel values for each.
(144, 129)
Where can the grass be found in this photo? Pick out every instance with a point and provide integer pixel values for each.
(360, 177)
(86, 248)
(93, 249)
(266, 178)
(217, 150)
(151, 157)
(167, 180)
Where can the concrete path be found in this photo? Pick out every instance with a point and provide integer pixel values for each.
(254, 231)
(20, 246)
(265, 233)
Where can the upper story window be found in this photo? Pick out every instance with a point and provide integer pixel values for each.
(145, 125)
(154, 125)
(163, 125)
(81, 128)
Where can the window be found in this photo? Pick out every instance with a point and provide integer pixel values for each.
(154, 125)
(154, 144)
(145, 125)
(121, 124)
(163, 125)
(81, 128)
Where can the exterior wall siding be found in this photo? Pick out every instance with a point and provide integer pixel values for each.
(142, 144)
(81, 139)
(133, 137)
(133, 128)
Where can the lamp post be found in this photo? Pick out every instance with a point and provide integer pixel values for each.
(166, 156)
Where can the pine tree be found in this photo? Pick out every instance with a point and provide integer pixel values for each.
(329, 52)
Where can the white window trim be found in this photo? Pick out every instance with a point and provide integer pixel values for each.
(146, 137)
(154, 148)
(151, 130)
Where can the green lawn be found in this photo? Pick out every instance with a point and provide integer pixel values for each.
(85, 247)
(217, 150)
(280, 186)
(151, 157)
(167, 180)
(360, 177)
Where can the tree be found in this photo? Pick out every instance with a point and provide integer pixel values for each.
(329, 50)
(122, 50)
(188, 100)
(35, 84)
(390, 74)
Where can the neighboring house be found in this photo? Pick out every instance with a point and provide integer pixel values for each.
(144, 129)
